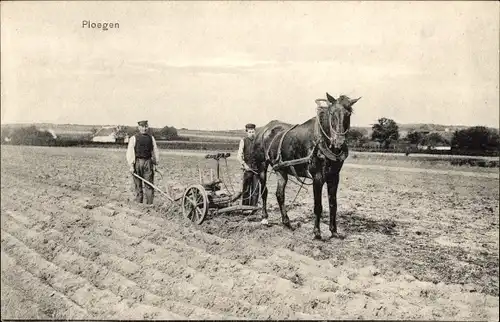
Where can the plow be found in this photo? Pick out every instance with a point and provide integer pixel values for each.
(211, 198)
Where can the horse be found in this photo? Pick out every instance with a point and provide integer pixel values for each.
(315, 149)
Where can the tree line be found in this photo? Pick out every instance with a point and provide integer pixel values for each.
(477, 140)
(166, 133)
(386, 133)
(31, 135)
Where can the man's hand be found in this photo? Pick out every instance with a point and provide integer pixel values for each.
(246, 167)
(131, 169)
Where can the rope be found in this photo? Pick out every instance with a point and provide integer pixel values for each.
(253, 193)
(297, 193)
(261, 193)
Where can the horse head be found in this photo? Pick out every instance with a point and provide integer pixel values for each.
(334, 118)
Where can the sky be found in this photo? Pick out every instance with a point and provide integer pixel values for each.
(218, 65)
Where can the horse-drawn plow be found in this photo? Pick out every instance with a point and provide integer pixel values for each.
(210, 198)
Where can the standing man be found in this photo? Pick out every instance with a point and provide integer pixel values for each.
(142, 156)
(248, 161)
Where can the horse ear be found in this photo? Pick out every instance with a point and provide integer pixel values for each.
(330, 98)
(353, 101)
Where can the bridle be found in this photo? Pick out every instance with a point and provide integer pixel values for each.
(334, 134)
(319, 142)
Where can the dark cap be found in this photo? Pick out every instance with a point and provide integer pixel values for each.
(143, 123)
(250, 126)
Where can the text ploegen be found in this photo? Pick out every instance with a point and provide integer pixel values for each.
(100, 25)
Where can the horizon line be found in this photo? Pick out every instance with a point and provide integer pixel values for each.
(242, 129)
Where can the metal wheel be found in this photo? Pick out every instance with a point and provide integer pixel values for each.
(195, 203)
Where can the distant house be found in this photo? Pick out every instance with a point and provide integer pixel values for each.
(51, 131)
(106, 134)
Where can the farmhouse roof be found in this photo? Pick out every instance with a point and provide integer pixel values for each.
(106, 131)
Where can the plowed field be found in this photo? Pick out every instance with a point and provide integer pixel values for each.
(420, 244)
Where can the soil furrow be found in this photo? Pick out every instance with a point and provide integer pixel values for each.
(72, 255)
(52, 302)
(99, 303)
(16, 303)
(221, 285)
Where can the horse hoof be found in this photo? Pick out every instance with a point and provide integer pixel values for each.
(289, 226)
(265, 222)
(317, 237)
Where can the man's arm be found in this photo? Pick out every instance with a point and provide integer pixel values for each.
(131, 152)
(156, 152)
(240, 154)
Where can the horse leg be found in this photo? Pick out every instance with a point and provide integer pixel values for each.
(332, 185)
(318, 207)
(280, 196)
(263, 187)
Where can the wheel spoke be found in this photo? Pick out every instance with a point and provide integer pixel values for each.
(195, 215)
(199, 212)
(189, 211)
(195, 204)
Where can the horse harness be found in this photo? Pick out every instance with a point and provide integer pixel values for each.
(320, 147)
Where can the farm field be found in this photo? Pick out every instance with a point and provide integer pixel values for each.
(421, 243)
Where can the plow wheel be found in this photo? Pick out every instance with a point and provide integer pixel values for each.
(195, 203)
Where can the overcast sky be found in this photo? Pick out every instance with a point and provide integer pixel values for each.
(218, 65)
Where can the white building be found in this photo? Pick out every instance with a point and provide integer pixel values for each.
(105, 134)
(51, 131)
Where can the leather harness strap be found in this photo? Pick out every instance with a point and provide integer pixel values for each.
(319, 143)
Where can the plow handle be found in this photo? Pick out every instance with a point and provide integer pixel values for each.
(154, 187)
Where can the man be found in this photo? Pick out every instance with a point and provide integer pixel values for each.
(142, 157)
(247, 160)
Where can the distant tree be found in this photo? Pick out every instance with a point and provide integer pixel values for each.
(130, 130)
(31, 135)
(169, 133)
(414, 137)
(385, 131)
(477, 138)
(356, 136)
(121, 132)
(433, 139)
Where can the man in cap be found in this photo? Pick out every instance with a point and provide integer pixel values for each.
(248, 161)
(142, 157)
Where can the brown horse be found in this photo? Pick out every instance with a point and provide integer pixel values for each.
(315, 149)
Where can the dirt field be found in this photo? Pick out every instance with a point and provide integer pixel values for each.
(421, 244)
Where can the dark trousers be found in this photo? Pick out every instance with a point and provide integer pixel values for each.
(144, 169)
(251, 191)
